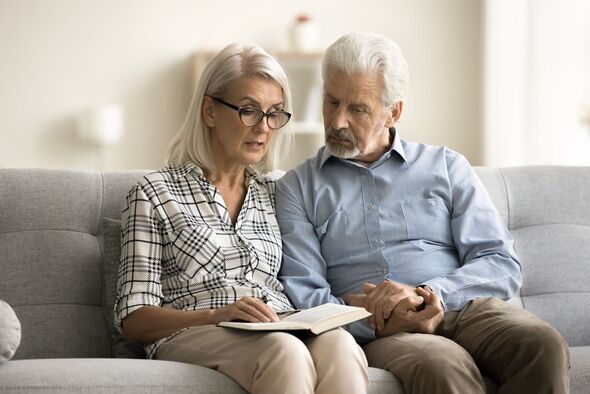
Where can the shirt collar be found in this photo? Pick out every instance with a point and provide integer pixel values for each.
(183, 170)
(396, 146)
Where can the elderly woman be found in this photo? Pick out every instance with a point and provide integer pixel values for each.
(201, 244)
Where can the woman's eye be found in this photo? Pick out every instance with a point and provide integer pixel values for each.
(249, 111)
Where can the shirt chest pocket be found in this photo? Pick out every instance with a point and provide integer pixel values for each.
(428, 223)
(196, 251)
(333, 237)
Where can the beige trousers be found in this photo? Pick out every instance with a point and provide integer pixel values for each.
(522, 353)
(274, 362)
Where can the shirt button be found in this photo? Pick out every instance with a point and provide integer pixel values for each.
(323, 231)
(371, 207)
(385, 271)
(376, 243)
(433, 203)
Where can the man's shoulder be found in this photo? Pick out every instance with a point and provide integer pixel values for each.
(416, 151)
(305, 170)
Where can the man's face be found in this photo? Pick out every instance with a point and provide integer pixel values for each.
(355, 119)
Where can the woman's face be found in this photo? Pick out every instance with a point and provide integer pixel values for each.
(234, 144)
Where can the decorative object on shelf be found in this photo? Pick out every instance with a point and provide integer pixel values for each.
(304, 34)
(101, 125)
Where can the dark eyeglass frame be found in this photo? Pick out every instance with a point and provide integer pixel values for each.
(240, 111)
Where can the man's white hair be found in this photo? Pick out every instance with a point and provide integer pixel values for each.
(370, 53)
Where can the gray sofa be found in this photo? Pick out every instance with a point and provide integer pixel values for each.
(51, 273)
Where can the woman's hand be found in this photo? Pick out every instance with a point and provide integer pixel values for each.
(248, 309)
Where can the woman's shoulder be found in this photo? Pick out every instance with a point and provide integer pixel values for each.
(157, 181)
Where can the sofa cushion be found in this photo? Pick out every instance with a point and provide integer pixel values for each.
(580, 372)
(111, 236)
(9, 332)
(111, 376)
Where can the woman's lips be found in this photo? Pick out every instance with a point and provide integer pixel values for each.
(254, 144)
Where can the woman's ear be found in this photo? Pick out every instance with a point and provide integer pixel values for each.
(207, 111)
(394, 114)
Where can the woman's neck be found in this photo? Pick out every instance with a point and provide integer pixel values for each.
(227, 178)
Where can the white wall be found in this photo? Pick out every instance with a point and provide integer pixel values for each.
(59, 57)
(537, 82)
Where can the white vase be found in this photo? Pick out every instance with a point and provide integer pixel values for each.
(304, 36)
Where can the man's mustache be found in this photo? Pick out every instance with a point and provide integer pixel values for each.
(341, 134)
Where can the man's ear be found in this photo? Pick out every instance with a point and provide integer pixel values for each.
(207, 111)
(394, 114)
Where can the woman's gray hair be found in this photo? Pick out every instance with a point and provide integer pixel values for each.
(369, 53)
(192, 143)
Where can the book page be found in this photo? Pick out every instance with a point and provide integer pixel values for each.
(318, 313)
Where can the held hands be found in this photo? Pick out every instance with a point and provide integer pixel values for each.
(248, 309)
(382, 299)
(397, 307)
(406, 317)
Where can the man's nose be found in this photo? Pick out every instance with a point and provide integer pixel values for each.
(340, 119)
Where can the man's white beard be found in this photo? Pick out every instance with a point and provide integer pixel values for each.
(340, 150)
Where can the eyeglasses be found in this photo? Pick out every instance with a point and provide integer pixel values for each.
(252, 116)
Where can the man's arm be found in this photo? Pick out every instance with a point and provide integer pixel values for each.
(489, 264)
(304, 270)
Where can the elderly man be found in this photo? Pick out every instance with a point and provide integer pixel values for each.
(408, 231)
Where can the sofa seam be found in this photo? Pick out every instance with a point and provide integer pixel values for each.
(73, 387)
(47, 229)
(550, 224)
(553, 293)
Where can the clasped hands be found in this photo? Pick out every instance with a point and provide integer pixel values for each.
(397, 307)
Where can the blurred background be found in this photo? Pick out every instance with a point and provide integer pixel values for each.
(104, 85)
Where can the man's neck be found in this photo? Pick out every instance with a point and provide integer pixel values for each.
(377, 152)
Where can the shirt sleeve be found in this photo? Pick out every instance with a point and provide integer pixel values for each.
(140, 266)
(489, 264)
(304, 271)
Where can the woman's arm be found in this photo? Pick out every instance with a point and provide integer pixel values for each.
(151, 323)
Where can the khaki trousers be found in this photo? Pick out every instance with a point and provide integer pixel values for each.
(274, 362)
(522, 353)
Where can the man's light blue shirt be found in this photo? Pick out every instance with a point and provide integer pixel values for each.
(419, 215)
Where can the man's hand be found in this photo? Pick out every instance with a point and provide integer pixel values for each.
(405, 318)
(382, 299)
(355, 299)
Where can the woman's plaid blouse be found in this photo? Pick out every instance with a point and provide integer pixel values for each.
(180, 249)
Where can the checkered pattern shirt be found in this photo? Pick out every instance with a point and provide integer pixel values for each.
(180, 249)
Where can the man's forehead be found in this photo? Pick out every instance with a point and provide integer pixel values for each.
(365, 85)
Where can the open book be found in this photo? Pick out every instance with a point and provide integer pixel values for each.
(317, 320)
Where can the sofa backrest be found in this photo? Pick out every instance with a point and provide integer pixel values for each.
(50, 254)
(50, 257)
(547, 209)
